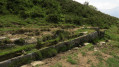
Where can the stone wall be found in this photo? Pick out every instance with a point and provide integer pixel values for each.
(20, 60)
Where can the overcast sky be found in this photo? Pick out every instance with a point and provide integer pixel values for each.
(107, 6)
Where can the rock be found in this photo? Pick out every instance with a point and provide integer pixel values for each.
(76, 48)
(95, 49)
(26, 66)
(9, 35)
(2, 38)
(86, 44)
(108, 40)
(102, 43)
(31, 40)
(14, 39)
(85, 32)
(37, 63)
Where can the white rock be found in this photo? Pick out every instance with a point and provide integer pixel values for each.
(37, 63)
(85, 32)
(1, 38)
(86, 44)
(14, 39)
(26, 66)
(102, 43)
(95, 49)
(76, 48)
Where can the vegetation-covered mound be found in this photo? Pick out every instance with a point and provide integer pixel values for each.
(24, 12)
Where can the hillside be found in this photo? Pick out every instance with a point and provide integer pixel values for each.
(62, 31)
(19, 13)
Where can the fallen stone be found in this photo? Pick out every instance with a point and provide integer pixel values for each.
(37, 63)
(9, 35)
(85, 32)
(102, 43)
(86, 44)
(14, 39)
(95, 49)
(31, 40)
(26, 66)
(2, 38)
(76, 48)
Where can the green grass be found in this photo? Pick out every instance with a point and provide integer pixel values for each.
(97, 53)
(84, 30)
(71, 60)
(57, 65)
(112, 62)
(83, 53)
(9, 29)
(16, 49)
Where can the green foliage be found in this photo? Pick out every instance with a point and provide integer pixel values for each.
(49, 52)
(20, 41)
(113, 62)
(5, 41)
(61, 34)
(112, 33)
(16, 49)
(62, 48)
(71, 60)
(38, 55)
(57, 65)
(39, 43)
(83, 53)
(53, 18)
(51, 11)
(97, 53)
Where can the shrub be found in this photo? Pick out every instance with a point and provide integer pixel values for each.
(38, 55)
(40, 44)
(62, 48)
(61, 34)
(20, 41)
(54, 18)
(5, 41)
(48, 52)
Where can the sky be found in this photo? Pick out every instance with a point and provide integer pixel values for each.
(110, 7)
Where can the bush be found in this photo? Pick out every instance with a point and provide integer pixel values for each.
(49, 52)
(53, 18)
(62, 48)
(20, 41)
(5, 41)
(38, 55)
(40, 44)
(61, 34)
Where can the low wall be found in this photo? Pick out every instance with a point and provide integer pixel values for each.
(20, 60)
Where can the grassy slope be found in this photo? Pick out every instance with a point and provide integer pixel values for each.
(21, 13)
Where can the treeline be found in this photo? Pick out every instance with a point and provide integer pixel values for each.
(24, 12)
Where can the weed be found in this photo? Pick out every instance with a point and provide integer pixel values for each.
(83, 53)
(97, 53)
(39, 43)
(89, 61)
(57, 65)
(20, 41)
(49, 52)
(71, 60)
(112, 62)
(38, 55)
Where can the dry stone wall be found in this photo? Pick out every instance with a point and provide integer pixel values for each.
(20, 60)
